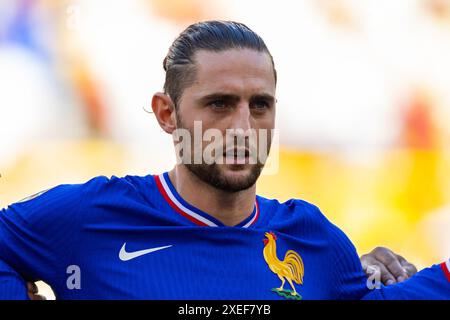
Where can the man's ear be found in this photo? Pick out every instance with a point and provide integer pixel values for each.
(164, 110)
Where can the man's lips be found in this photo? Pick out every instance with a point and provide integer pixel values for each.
(237, 153)
(238, 156)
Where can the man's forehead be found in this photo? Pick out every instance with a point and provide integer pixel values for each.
(232, 59)
(234, 67)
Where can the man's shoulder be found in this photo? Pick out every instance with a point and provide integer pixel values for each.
(113, 182)
(82, 193)
(302, 214)
(118, 189)
(297, 208)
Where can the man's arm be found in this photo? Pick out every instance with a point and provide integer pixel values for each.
(12, 285)
(36, 237)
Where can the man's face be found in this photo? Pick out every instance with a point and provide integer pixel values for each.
(234, 89)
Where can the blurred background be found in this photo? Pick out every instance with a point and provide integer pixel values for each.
(363, 104)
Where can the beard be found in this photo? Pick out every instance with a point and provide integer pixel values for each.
(217, 178)
(213, 176)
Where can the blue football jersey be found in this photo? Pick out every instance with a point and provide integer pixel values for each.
(137, 238)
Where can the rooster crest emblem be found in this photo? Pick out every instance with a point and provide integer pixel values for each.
(290, 268)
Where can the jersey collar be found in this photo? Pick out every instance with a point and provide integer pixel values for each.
(192, 213)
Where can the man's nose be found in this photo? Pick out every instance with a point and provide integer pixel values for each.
(241, 117)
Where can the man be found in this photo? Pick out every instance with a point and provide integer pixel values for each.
(198, 231)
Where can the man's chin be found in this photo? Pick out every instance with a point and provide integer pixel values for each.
(227, 177)
(238, 174)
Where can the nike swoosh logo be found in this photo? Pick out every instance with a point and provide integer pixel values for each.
(125, 256)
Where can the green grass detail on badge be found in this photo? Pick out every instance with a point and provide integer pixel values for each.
(287, 294)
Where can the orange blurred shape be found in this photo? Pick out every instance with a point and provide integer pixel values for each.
(185, 12)
(419, 130)
(89, 92)
(440, 9)
(338, 13)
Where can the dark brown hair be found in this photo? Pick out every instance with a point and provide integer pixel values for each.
(214, 36)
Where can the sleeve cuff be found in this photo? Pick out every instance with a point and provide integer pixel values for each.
(445, 266)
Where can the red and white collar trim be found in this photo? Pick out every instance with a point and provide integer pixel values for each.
(190, 212)
(446, 268)
(255, 216)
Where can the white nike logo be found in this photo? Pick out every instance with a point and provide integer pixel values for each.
(125, 256)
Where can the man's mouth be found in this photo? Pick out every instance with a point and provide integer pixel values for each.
(236, 156)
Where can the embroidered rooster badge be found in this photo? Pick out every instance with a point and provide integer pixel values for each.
(290, 268)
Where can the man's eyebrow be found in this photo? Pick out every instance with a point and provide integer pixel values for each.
(233, 97)
(264, 96)
(219, 95)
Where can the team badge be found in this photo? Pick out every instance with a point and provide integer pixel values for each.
(289, 269)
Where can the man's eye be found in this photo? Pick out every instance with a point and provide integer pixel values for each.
(218, 104)
(260, 104)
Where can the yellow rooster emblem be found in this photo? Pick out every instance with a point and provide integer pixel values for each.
(290, 269)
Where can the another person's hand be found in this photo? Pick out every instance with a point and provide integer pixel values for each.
(392, 267)
(33, 292)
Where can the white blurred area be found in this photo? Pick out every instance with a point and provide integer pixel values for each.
(363, 94)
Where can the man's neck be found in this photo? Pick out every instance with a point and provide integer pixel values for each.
(230, 208)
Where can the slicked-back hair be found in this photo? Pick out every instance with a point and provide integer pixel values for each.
(216, 36)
